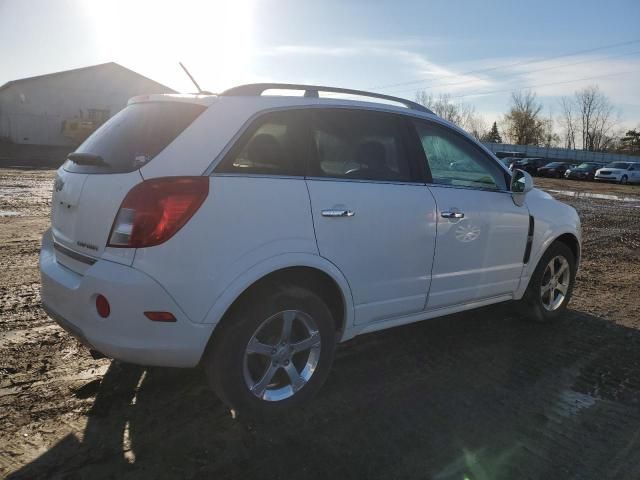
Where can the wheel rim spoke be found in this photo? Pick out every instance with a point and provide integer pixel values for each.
(552, 267)
(307, 343)
(562, 269)
(297, 382)
(287, 323)
(563, 288)
(259, 348)
(259, 388)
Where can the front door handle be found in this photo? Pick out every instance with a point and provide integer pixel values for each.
(452, 214)
(337, 212)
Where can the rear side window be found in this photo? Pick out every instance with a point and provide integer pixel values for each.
(132, 137)
(273, 145)
(359, 145)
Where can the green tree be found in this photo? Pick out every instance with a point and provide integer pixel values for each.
(630, 143)
(493, 135)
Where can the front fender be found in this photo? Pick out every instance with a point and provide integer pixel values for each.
(273, 264)
(552, 220)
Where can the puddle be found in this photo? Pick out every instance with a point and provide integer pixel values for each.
(571, 403)
(8, 213)
(601, 196)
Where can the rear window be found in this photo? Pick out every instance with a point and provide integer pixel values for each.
(132, 137)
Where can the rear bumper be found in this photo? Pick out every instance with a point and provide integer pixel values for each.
(126, 334)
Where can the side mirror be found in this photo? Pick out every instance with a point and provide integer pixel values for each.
(521, 184)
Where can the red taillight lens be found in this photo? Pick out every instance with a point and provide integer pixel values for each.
(154, 210)
(102, 306)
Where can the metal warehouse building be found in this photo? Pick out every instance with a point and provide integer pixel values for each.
(59, 109)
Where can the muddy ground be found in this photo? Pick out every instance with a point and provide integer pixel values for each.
(480, 395)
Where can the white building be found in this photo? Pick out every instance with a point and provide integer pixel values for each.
(40, 110)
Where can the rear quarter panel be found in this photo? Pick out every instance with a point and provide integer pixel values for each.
(243, 222)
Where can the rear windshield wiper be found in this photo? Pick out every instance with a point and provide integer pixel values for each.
(87, 159)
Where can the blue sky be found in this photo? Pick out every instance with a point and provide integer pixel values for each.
(393, 47)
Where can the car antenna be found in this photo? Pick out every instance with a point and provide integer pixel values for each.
(200, 91)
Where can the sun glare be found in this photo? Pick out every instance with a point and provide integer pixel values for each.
(213, 39)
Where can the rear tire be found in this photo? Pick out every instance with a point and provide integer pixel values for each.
(551, 285)
(624, 180)
(260, 370)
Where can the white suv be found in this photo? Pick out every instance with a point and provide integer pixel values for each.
(620, 172)
(250, 233)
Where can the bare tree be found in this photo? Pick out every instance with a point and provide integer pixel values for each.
(462, 114)
(568, 121)
(591, 115)
(523, 125)
(549, 137)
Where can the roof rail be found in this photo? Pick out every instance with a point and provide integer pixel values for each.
(311, 91)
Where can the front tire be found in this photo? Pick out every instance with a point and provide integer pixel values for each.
(273, 352)
(624, 180)
(551, 284)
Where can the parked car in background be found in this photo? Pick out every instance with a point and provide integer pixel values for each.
(584, 171)
(529, 165)
(554, 169)
(507, 161)
(300, 222)
(620, 172)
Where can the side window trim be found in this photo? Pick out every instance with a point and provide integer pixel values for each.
(485, 158)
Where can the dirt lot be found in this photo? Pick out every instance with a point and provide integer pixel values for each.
(480, 395)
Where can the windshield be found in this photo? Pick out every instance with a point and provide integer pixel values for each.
(132, 137)
(554, 164)
(622, 165)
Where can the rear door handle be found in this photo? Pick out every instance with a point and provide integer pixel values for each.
(337, 212)
(452, 214)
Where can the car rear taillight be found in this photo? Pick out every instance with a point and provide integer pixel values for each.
(154, 210)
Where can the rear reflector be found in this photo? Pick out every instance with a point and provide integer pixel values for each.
(154, 210)
(102, 306)
(160, 316)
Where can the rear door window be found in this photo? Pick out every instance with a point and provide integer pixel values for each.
(133, 137)
(359, 145)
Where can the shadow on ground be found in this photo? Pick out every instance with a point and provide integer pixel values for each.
(483, 395)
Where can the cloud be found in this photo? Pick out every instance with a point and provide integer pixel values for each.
(404, 66)
(401, 56)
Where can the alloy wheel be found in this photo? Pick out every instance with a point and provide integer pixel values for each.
(555, 283)
(282, 355)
